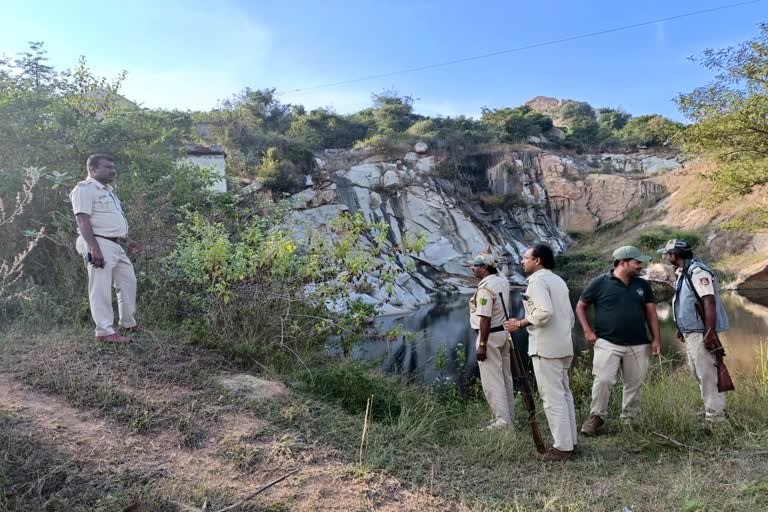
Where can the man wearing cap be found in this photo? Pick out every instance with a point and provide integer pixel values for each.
(486, 316)
(103, 228)
(549, 321)
(624, 306)
(697, 284)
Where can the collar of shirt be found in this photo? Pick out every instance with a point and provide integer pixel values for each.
(537, 274)
(485, 280)
(99, 184)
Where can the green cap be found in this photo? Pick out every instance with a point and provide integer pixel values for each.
(629, 252)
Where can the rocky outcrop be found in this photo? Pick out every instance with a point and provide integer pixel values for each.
(641, 162)
(581, 201)
(509, 198)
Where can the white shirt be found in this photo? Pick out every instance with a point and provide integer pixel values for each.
(548, 309)
(100, 202)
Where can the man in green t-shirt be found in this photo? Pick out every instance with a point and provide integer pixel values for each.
(624, 306)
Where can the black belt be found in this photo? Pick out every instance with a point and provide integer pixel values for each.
(498, 328)
(118, 240)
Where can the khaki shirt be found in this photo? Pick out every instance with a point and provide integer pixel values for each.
(486, 303)
(701, 279)
(548, 308)
(100, 202)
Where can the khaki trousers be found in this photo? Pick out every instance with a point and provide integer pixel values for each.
(555, 391)
(117, 272)
(496, 377)
(702, 365)
(633, 361)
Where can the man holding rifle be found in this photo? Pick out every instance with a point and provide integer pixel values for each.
(699, 316)
(486, 315)
(549, 320)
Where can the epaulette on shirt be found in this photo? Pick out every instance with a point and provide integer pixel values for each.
(84, 183)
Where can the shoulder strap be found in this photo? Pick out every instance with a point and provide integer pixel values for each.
(687, 272)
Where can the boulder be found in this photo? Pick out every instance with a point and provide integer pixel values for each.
(420, 147)
(252, 387)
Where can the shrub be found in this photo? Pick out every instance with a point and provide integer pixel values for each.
(653, 239)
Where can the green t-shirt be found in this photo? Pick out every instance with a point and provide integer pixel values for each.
(619, 309)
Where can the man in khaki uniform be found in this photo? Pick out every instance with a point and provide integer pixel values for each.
(486, 316)
(697, 285)
(103, 228)
(549, 320)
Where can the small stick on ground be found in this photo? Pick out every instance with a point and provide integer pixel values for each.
(365, 428)
(235, 505)
(678, 443)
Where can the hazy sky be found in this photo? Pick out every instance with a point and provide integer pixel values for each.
(189, 55)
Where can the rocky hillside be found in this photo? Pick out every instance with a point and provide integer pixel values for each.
(503, 195)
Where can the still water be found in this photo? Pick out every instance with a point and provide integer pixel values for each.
(445, 347)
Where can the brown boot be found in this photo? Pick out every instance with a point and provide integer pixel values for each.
(592, 426)
(554, 455)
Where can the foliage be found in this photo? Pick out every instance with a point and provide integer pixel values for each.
(730, 124)
(515, 124)
(653, 130)
(392, 113)
(577, 267)
(258, 280)
(752, 220)
(350, 384)
(652, 239)
(581, 121)
(12, 255)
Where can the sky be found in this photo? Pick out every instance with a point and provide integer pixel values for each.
(190, 55)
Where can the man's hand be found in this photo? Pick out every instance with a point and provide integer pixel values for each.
(711, 343)
(511, 325)
(591, 337)
(656, 347)
(97, 259)
(482, 352)
(680, 336)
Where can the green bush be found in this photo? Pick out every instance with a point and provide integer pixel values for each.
(578, 267)
(653, 239)
(350, 384)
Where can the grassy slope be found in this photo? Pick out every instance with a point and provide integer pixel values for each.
(429, 455)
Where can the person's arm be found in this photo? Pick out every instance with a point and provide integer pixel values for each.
(86, 231)
(581, 314)
(540, 304)
(653, 324)
(485, 331)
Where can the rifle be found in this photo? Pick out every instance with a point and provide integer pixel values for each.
(520, 375)
(724, 381)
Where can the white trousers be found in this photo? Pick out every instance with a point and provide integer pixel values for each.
(555, 391)
(633, 360)
(702, 365)
(117, 272)
(496, 376)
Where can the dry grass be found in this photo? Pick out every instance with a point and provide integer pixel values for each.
(201, 443)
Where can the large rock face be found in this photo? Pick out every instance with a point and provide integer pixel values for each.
(581, 201)
(535, 197)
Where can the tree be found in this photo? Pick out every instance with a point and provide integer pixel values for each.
(652, 130)
(729, 114)
(392, 113)
(516, 124)
(580, 119)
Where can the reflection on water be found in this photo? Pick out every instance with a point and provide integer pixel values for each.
(446, 345)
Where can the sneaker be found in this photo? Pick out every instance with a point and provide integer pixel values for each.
(497, 424)
(592, 425)
(114, 338)
(554, 455)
